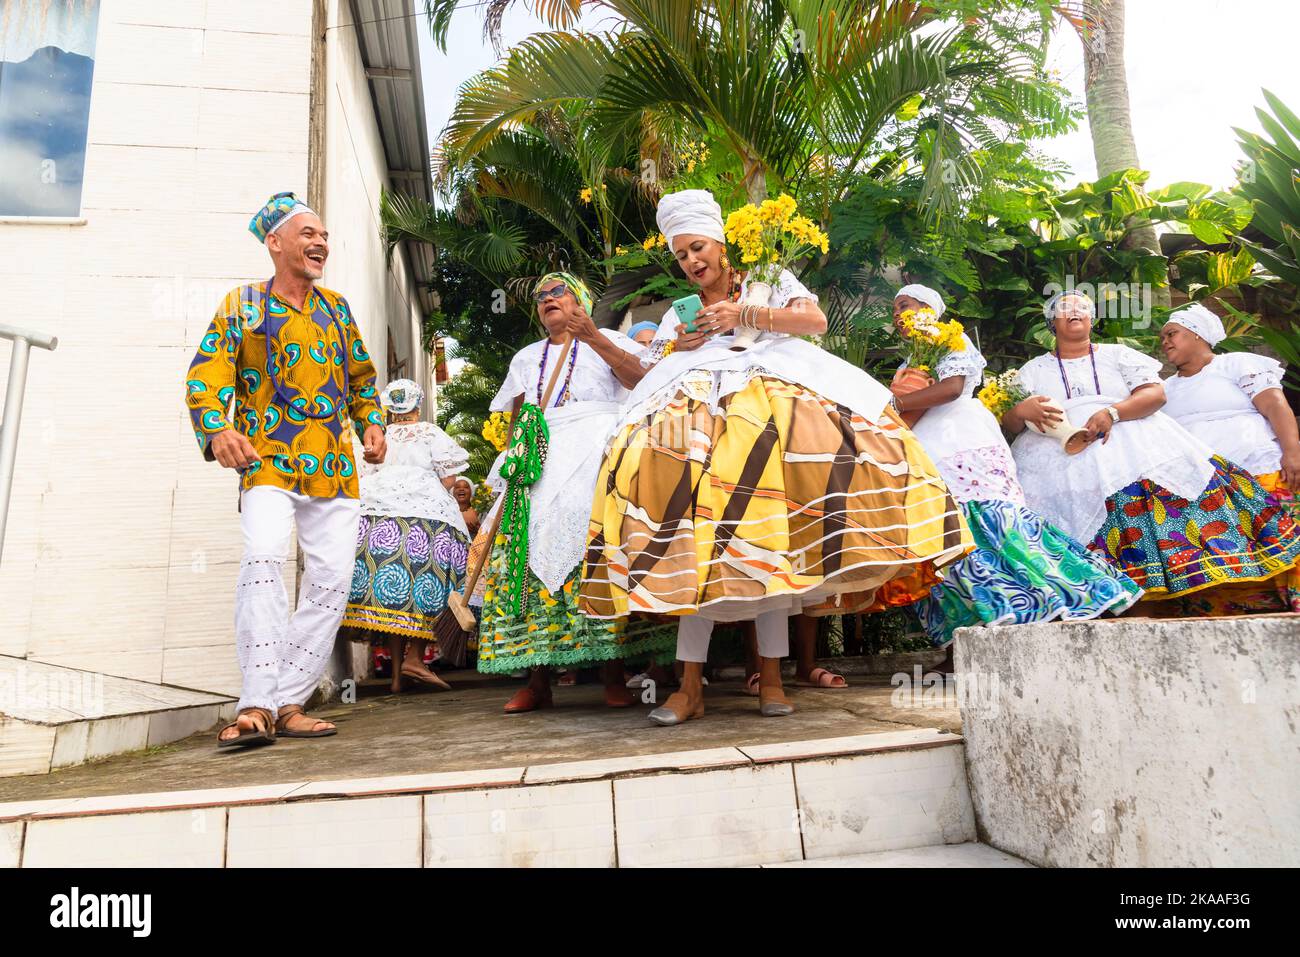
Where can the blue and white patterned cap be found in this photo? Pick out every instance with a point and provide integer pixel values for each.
(402, 395)
(279, 209)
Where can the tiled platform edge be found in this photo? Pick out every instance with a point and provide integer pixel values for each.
(741, 806)
(54, 717)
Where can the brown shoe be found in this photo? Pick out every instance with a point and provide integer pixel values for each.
(526, 699)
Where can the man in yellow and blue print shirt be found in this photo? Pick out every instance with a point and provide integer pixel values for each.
(290, 356)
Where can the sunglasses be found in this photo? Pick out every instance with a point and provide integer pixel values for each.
(555, 292)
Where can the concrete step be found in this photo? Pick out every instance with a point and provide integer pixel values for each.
(53, 717)
(969, 854)
(829, 798)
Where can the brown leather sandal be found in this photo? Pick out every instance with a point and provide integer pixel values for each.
(263, 735)
(288, 711)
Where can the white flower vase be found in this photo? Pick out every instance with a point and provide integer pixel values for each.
(1073, 439)
(756, 294)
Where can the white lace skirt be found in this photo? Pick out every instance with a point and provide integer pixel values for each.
(1070, 491)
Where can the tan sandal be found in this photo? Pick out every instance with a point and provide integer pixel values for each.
(772, 702)
(259, 736)
(676, 710)
(288, 712)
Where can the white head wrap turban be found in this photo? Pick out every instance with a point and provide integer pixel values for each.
(1049, 310)
(692, 212)
(1201, 321)
(402, 395)
(925, 295)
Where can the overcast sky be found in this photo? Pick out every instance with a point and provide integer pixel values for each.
(1195, 69)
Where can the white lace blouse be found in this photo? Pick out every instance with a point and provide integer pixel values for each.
(786, 289)
(1217, 406)
(408, 483)
(951, 431)
(1071, 490)
(592, 380)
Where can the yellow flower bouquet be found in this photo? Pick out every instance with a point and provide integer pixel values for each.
(928, 340)
(496, 429)
(1003, 392)
(769, 237)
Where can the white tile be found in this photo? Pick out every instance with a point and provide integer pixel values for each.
(127, 114)
(110, 736)
(201, 596)
(284, 16)
(11, 844)
(211, 668)
(441, 781)
(726, 818)
(168, 726)
(170, 800)
(239, 119)
(375, 832)
(941, 855)
(117, 182)
(154, 839)
(236, 180)
(70, 743)
(256, 61)
(881, 802)
(853, 744)
(175, 54)
(169, 13)
(25, 748)
(13, 810)
(607, 767)
(560, 825)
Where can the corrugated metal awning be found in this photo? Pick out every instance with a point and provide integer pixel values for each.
(388, 42)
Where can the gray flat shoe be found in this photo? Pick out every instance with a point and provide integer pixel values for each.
(775, 709)
(666, 717)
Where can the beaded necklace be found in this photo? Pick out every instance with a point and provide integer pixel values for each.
(1065, 380)
(541, 371)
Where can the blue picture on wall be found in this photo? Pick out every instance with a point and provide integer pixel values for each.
(47, 62)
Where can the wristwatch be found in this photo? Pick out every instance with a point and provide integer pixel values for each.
(1114, 413)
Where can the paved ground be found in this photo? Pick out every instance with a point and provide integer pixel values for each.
(422, 732)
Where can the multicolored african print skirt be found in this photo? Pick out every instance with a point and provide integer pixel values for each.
(1024, 569)
(1234, 532)
(781, 498)
(405, 570)
(552, 630)
(1278, 594)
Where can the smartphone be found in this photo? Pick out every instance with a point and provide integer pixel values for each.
(687, 309)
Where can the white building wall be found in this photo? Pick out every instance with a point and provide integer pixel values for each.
(381, 296)
(122, 547)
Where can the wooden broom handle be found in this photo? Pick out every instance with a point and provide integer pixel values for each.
(496, 521)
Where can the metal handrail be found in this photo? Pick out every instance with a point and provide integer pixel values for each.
(23, 340)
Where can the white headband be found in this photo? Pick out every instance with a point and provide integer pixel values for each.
(300, 208)
(402, 395)
(1201, 321)
(689, 212)
(1049, 310)
(924, 294)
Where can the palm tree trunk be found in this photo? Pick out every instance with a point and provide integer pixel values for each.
(1109, 116)
(755, 178)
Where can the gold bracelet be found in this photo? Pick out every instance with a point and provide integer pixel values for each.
(769, 319)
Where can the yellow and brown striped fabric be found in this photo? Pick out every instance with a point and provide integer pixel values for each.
(782, 493)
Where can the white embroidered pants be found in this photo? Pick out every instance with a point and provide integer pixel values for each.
(694, 632)
(283, 656)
